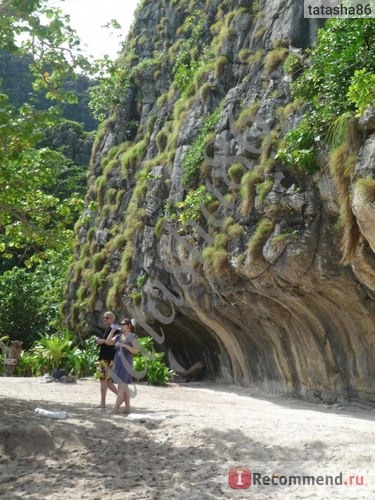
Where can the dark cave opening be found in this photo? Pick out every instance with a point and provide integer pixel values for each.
(188, 343)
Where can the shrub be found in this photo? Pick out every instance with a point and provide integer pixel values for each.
(29, 299)
(205, 90)
(292, 63)
(58, 351)
(247, 115)
(263, 189)
(220, 64)
(151, 363)
(216, 261)
(280, 239)
(248, 183)
(361, 90)
(243, 55)
(191, 207)
(136, 298)
(194, 157)
(188, 61)
(298, 148)
(336, 83)
(343, 46)
(142, 279)
(366, 188)
(342, 163)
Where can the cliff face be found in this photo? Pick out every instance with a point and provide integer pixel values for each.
(224, 254)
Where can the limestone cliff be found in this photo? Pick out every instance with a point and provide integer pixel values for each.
(192, 225)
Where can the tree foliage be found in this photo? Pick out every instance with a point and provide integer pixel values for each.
(31, 218)
(38, 203)
(343, 46)
(17, 83)
(29, 300)
(151, 364)
(33, 27)
(338, 79)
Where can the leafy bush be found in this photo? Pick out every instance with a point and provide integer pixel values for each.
(29, 299)
(338, 80)
(343, 46)
(292, 63)
(49, 353)
(151, 363)
(186, 65)
(194, 157)
(184, 74)
(191, 207)
(52, 352)
(298, 148)
(82, 360)
(362, 90)
(22, 311)
(61, 351)
(58, 351)
(142, 279)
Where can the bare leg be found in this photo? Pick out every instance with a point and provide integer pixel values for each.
(111, 386)
(120, 398)
(104, 386)
(103, 392)
(127, 399)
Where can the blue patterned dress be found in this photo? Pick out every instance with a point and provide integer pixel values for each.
(123, 362)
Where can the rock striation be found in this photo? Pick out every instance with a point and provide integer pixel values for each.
(222, 253)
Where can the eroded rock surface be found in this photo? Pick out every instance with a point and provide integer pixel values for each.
(283, 314)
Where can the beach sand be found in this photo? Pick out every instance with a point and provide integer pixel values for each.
(181, 442)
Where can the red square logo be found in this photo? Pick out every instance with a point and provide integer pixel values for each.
(239, 478)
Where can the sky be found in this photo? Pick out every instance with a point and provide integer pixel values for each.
(88, 17)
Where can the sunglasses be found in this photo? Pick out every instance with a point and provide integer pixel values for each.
(106, 317)
(123, 324)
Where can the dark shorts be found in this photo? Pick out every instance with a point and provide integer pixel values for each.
(105, 370)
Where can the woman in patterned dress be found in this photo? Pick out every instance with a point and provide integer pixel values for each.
(126, 346)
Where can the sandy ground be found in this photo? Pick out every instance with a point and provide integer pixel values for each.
(207, 431)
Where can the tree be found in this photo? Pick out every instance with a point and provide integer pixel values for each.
(30, 299)
(33, 27)
(38, 204)
(31, 218)
(17, 82)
